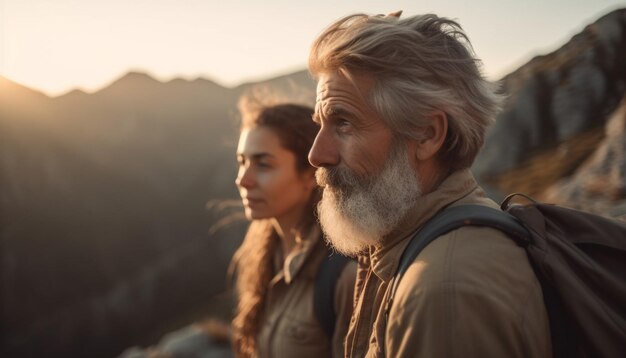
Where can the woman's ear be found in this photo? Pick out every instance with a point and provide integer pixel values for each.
(433, 136)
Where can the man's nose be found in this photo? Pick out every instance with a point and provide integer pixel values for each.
(324, 152)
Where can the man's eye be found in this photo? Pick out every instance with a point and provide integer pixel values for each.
(263, 165)
(343, 125)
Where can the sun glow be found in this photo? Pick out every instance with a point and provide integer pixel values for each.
(56, 46)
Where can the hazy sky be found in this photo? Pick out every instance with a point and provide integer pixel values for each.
(58, 45)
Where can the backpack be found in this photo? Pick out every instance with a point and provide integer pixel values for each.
(579, 260)
(324, 291)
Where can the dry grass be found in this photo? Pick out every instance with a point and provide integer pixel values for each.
(543, 170)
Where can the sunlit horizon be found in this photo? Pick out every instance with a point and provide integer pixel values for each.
(58, 46)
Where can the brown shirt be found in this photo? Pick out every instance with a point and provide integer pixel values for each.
(290, 327)
(470, 293)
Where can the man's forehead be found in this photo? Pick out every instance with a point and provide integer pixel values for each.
(330, 86)
(342, 83)
(324, 85)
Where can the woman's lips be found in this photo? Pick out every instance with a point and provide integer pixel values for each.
(252, 201)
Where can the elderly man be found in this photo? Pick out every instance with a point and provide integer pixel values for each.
(403, 110)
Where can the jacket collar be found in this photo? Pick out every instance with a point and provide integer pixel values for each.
(295, 261)
(386, 258)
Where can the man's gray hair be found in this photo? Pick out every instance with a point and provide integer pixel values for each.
(420, 64)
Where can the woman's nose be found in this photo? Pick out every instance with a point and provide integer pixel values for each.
(245, 177)
(324, 152)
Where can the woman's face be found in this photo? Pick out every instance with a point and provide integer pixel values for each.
(268, 182)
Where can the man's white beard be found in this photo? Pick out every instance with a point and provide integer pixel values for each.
(358, 212)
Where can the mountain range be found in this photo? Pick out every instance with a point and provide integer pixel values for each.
(119, 213)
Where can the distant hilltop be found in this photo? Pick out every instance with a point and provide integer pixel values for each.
(104, 195)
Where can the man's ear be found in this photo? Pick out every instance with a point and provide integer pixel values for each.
(433, 136)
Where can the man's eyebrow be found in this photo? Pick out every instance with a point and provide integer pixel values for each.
(331, 112)
(339, 112)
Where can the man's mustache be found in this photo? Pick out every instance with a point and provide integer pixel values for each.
(332, 178)
(340, 180)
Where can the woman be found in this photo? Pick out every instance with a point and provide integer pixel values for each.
(283, 249)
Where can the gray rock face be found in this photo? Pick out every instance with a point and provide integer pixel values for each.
(558, 96)
(599, 185)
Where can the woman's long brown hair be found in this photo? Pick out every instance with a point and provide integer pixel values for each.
(254, 259)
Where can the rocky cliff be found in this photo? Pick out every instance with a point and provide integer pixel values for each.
(559, 109)
(107, 240)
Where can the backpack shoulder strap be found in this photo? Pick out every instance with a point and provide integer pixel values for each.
(450, 219)
(458, 216)
(324, 291)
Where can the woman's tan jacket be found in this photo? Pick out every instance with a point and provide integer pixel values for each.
(290, 328)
